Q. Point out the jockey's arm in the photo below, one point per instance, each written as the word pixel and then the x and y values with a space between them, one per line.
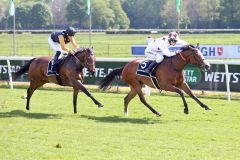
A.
pixel 62 44
pixel 74 44
pixel 182 42
pixel 166 51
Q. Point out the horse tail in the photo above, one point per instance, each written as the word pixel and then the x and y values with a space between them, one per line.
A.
pixel 107 81
pixel 22 70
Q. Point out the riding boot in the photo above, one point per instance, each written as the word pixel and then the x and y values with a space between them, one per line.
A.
pixel 150 67
pixel 55 59
pixel 54 63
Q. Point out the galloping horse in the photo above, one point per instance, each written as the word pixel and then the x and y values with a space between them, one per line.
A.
pixel 71 73
pixel 169 75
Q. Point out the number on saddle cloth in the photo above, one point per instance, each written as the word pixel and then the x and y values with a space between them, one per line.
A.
pixel 57 65
pixel 141 71
pixel 143 66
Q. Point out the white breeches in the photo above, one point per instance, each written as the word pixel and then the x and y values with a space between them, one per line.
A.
pixel 55 46
pixel 154 55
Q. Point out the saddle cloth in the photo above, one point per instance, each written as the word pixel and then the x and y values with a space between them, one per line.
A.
pixel 58 65
pixel 141 71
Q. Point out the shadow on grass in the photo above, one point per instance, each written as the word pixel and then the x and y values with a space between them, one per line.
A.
pixel 20 113
pixel 117 119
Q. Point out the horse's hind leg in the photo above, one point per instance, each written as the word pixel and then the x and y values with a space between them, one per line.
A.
pixel 127 99
pixel 33 86
pixel 75 94
pixel 143 100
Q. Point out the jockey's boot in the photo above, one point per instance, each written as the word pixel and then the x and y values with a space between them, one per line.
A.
pixel 55 59
pixel 150 67
pixel 54 62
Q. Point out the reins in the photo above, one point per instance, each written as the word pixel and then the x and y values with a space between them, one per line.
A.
pixel 85 59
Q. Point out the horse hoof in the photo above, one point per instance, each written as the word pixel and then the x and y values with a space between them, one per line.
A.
pixel 100 105
pixel 207 108
pixel 186 111
pixel 158 114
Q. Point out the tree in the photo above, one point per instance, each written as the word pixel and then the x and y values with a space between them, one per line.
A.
pixel 144 13
pixel 32 16
pixel 102 15
pixel 41 16
pixel 203 14
pixel 120 17
pixel 58 9
pixel 230 13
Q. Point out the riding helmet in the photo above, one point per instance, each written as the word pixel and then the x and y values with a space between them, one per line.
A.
pixel 173 36
pixel 70 31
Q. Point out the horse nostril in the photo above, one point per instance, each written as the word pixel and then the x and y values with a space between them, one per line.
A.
pixel 207 67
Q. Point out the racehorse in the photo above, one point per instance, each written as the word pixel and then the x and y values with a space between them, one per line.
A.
pixel 71 73
pixel 169 75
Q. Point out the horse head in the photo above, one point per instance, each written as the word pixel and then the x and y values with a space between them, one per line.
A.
pixel 192 54
pixel 86 58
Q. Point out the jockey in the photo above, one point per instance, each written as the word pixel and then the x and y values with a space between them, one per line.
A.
pixel 58 41
pixel 157 48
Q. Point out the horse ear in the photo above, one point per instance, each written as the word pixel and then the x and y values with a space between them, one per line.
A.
pixel 190 47
pixel 92 47
pixel 197 45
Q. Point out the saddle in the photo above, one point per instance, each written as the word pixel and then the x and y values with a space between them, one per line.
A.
pixel 141 71
pixel 58 65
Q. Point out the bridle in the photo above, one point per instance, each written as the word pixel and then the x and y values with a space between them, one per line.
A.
pixel 191 54
pixel 85 61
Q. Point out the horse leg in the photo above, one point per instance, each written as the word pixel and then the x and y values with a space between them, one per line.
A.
pixel 177 90
pixel 75 94
pixel 127 99
pixel 78 85
pixel 33 86
pixel 187 90
pixel 143 100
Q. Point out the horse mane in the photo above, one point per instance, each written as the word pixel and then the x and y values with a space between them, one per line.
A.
pixel 80 50
pixel 186 47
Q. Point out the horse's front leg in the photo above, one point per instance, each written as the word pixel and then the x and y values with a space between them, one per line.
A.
pixel 187 90
pixel 78 85
pixel 177 90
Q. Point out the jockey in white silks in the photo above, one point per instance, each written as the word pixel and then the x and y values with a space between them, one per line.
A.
pixel 157 48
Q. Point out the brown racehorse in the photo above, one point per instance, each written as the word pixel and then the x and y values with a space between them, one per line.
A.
pixel 71 73
pixel 169 75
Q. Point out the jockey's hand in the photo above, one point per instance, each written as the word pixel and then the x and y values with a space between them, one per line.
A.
pixel 71 52
pixel 179 51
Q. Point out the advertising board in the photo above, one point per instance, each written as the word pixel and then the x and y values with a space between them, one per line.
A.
pixel 214 80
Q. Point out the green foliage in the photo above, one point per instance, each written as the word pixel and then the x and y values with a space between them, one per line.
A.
pixel 230 13
pixel 32 15
pixel 105 14
pixel 50 130
pixel 121 20
pixel 41 16
pixel 76 14
pixel 143 13
pixel 124 14
pixel 102 15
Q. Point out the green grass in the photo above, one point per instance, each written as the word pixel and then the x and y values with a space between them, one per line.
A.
pixel 105 45
pixel 50 130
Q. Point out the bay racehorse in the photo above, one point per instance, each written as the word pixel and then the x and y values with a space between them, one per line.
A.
pixel 169 75
pixel 71 73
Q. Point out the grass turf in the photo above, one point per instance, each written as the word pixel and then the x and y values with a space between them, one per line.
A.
pixel 50 130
